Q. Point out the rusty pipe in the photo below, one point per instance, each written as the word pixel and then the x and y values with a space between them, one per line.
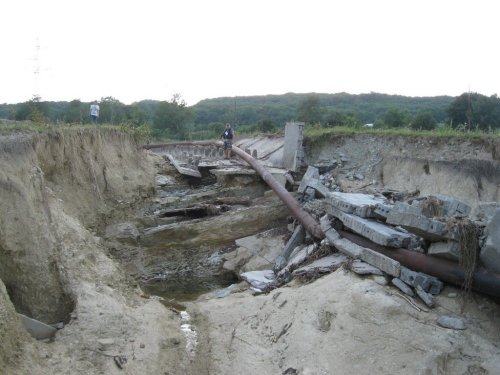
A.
pixel 302 216
pixel 483 281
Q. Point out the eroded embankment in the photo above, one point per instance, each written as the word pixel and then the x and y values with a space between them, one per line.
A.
pixel 53 188
pixel 465 169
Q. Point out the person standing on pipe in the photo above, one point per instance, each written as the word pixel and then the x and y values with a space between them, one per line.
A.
pixel 228 136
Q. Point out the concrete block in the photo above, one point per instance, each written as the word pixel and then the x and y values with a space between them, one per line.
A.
pixel 398 283
pixel 490 252
pixel 310 175
pixel 426 297
pixel 362 205
pixel 449 250
pixel 377 232
pixel 259 279
pixel 404 215
pixel 37 329
pixel 355 251
pixel 428 283
pixel 363 268
pixel 323 265
pixel 382 262
pixel 382 209
pixel 295 240
pixel 293 152
pixel 452 206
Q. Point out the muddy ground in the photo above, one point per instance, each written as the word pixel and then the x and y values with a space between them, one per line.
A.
pixel 81 242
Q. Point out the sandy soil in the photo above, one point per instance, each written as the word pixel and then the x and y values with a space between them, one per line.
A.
pixel 345 324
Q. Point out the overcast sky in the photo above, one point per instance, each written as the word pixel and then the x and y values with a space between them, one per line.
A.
pixel 151 49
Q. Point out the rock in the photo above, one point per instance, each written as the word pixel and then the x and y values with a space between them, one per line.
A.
pixel 162 180
pixel 259 279
pixel 321 266
pixel 380 280
pixel 105 344
pixel 490 252
pixel 123 232
pixel 398 283
pixel 37 329
pixel 428 283
pixel 448 250
pixel 452 295
pixel 296 239
pixel 426 297
pixel 451 322
pixel 362 268
pixel 311 174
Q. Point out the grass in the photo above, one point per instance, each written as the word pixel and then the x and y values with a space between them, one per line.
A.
pixel 318 134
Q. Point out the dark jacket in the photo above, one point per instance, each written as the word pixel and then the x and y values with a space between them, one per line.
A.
pixel 227 134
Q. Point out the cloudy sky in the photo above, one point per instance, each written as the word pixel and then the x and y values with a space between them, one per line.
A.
pixel 152 49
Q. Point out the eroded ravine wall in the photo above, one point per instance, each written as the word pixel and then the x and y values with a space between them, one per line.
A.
pixel 53 187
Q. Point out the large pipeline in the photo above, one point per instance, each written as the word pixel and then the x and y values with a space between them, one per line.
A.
pixel 310 225
pixel 483 281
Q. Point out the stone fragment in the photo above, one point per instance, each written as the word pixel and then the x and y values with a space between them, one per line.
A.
pixel 448 250
pixel 163 180
pixel 426 297
pixel 296 239
pixel 451 322
pixel 490 252
pixel 377 232
pixel 398 283
pixel 362 268
pixel 383 209
pixel 124 232
pixel 452 206
pixel 428 283
pixel 259 279
pixel 320 266
pixel 105 344
pixel 37 329
pixel 311 175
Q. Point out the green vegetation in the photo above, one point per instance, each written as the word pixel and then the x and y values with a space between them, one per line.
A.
pixel 174 120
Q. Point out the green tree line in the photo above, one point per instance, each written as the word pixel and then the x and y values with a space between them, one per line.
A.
pixel 173 119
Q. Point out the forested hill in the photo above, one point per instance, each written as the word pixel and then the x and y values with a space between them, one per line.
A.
pixel 281 108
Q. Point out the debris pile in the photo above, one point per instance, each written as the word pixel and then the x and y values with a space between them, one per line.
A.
pixel 437 226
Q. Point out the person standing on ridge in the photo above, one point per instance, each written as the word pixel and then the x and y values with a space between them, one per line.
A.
pixel 94 112
pixel 227 135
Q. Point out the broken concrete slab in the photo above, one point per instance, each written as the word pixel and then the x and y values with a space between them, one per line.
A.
pixel 404 215
pixel 448 250
pixel 296 239
pixel 37 329
pixel 362 205
pixel 383 209
pixel 490 252
pixel 428 283
pixel 293 151
pixel 182 169
pixel 259 279
pixel 377 232
pixel 362 268
pixel 451 206
pixel 312 174
pixel 353 250
pixel 233 171
pixel 427 298
pixel 398 283
pixel 320 266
